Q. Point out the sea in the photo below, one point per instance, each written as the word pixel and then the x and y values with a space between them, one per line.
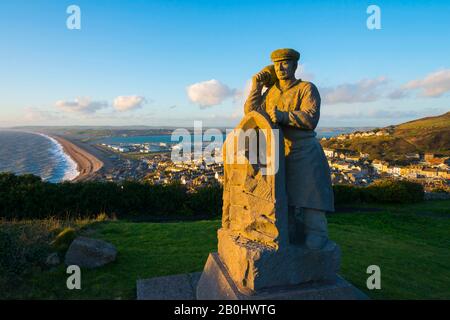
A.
pixel 35 153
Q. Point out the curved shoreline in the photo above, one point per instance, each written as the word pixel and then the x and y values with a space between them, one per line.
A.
pixel 87 164
pixel 71 171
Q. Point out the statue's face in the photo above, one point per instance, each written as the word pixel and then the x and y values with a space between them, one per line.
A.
pixel 285 69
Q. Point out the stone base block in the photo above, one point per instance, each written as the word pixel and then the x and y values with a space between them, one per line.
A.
pixel 216 284
pixel 254 266
pixel 174 287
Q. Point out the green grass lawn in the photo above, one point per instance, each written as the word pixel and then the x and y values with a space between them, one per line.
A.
pixel 410 243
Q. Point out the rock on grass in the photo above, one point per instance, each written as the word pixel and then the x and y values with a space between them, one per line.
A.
pixel 90 253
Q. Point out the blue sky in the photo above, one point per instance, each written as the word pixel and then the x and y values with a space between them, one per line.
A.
pixel 173 62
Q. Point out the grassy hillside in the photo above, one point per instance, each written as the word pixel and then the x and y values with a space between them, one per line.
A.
pixel 442 121
pixel 410 243
pixel 431 134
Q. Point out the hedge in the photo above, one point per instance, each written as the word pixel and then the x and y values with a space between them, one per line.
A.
pixel 380 191
pixel 28 196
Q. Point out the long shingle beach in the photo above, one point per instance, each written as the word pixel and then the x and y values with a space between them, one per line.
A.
pixel 87 164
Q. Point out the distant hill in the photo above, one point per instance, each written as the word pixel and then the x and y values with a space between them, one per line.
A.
pixel 437 122
pixel 430 134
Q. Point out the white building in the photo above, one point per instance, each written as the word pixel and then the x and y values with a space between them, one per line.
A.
pixel 329 152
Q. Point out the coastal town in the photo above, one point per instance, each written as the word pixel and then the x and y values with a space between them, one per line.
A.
pixel 432 171
pixel 358 168
pixel 151 162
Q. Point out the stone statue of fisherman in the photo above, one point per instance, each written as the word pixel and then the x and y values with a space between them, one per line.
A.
pixel 294 105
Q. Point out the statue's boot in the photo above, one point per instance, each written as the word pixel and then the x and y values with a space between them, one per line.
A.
pixel 316 232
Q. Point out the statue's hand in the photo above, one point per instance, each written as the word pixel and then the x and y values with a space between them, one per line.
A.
pixel 259 79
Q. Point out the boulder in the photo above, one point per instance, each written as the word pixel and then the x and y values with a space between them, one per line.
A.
pixel 90 253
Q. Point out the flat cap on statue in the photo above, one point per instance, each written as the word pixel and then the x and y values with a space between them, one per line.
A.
pixel 285 54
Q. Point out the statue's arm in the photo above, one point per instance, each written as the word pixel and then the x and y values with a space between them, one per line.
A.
pixel 308 116
pixel 254 100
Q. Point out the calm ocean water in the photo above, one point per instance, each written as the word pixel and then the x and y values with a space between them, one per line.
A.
pixel 23 152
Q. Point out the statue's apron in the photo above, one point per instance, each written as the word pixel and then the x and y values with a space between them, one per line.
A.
pixel 308 180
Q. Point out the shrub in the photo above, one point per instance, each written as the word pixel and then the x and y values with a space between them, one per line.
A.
pixel 443 189
pixel 380 191
pixel 207 201
pixel 393 191
pixel 23 248
pixel 25 197
pixel 345 194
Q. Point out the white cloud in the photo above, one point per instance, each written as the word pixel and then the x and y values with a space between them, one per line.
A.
pixel 433 85
pixel 81 105
pixel 209 93
pixel 127 103
pixel 365 90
